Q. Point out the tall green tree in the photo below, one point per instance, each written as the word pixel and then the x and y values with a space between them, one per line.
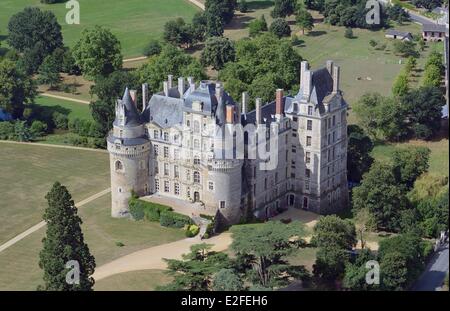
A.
pixel 17 89
pixel 64 243
pixel 280 28
pixel 334 231
pixel 227 280
pixel 49 72
pixel 283 8
pixel 97 52
pixel 304 20
pixel 359 148
pixel 217 52
pixel 401 85
pixel 382 196
pixel 432 76
pixel 265 248
pixel 409 164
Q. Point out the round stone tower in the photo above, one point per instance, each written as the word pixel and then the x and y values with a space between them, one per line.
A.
pixel 129 150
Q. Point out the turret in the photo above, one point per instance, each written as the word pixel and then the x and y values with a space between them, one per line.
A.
pixel 129 151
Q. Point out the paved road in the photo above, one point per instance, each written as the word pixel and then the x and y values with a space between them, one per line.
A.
pixel 435 273
pixel 420 19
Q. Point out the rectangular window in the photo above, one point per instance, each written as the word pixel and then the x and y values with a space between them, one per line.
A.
pixel 308 140
pixel 309 125
pixel 265 183
pixel 176 171
pixel 166 152
pixel 211 186
pixel 222 204
pixel 307 186
pixel 177 188
pixel 188 175
pixel 308 157
pixel 166 136
pixel 307 173
pixel 156 185
pixel 310 110
pixel 166 186
pixel 176 154
pixel 334 137
pixel 156 168
pixel 155 134
pixel 329 123
pixel 295 119
pixel 292 175
pixel 334 120
pixel 166 169
pixel 156 150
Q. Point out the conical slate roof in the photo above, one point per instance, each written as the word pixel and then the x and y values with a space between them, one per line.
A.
pixel 132 116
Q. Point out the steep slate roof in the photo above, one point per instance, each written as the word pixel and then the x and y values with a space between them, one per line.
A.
pixel 132 116
pixel 434 28
pixel 322 85
pixel 401 34
pixel 164 111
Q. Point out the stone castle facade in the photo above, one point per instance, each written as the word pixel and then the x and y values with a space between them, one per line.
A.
pixel 167 149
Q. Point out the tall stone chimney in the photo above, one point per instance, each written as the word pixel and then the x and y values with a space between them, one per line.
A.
pixel 170 81
pixel 191 83
pixel 166 88
pixel 336 77
pixel 229 113
pixel 244 102
pixel 144 96
pixel 181 86
pixel 133 95
pixel 305 79
pixel 219 91
pixel 258 111
pixel 279 107
pixel 330 67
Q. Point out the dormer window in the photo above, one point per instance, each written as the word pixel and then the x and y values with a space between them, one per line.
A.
pixel 310 110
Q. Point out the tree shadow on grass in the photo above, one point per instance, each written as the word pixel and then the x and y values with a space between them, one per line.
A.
pixel 239 21
pixel 45 113
pixel 316 33
pixel 259 5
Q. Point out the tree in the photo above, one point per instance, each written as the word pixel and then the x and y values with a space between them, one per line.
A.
pixel 217 52
pixel 22 132
pixel 218 13
pixel 243 6
pixel 304 20
pixel 199 24
pixel 227 280
pixel 427 4
pixel 381 195
pixel 359 148
pixel 409 164
pixel 393 272
pixel 398 14
pixel 152 48
pixel 33 28
pixel 411 64
pixel 330 263
pixel 108 90
pixel 405 48
pixel 64 243
pixel 49 72
pixel 257 26
pixel 401 85
pixel 97 52
pixel 432 76
pixel 283 8
pixel 334 231
pixel 280 28
pixel 179 33
pixel 349 33
pixel 424 107
pixel 170 61
pixel 17 89
pixel 355 272
pixel 197 269
pixel 265 247
pixel 436 59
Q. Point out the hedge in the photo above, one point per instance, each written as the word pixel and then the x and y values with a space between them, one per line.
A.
pixel 174 220
pixel 151 211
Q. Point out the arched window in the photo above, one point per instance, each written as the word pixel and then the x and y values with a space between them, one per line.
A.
pixel 119 166
pixel 196 177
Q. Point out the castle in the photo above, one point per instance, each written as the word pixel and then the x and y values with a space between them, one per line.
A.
pixel 168 149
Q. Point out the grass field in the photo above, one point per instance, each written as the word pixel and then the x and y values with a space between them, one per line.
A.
pixel 29 171
pixel 19 268
pixel 145 280
pixel 134 22
pixel 439 154
pixel 72 109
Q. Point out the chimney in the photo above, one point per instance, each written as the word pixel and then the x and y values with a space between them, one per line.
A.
pixel 219 91
pixel 191 84
pixel 330 67
pixel 304 66
pixel 229 114
pixel 170 81
pixel 244 102
pixel 144 96
pixel 279 103
pixel 336 77
pixel 307 83
pixel 258 111
pixel 181 86
pixel 133 96
pixel 166 88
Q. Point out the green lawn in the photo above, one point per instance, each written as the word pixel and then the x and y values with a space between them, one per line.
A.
pixel 72 109
pixel 145 280
pixel 29 171
pixel 134 22
pixel 19 264
pixel 304 257
pixel 438 159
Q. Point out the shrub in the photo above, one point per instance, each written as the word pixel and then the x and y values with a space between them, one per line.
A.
pixel 348 33
pixel 280 28
pixel 120 244
pixel 60 120
pixel 174 220
pixel 136 210
pixel 38 128
pixel 6 130
pixel 153 48
pixel 151 211
pixel 192 231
